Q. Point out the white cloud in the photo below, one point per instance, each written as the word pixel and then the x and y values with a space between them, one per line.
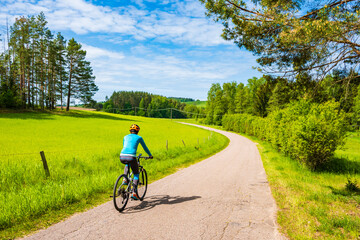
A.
pixel 185 23
pixel 185 66
pixel 163 74
pixel 93 53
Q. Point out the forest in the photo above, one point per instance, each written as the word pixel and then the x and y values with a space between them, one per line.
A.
pixel 305 119
pixel 261 96
pixel 150 105
pixel 39 68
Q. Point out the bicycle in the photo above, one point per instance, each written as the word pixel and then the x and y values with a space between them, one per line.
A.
pixel 123 191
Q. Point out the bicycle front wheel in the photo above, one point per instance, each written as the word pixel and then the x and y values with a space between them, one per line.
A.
pixel 142 184
pixel 121 192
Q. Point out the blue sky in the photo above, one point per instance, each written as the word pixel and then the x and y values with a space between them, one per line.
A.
pixel 166 47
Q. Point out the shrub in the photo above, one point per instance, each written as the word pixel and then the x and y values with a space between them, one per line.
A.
pixel 351 185
pixel 308 132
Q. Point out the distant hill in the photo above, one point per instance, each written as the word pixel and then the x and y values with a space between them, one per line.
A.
pixel 197 103
pixel 190 101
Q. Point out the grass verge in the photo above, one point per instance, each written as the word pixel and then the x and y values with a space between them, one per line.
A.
pixel 315 205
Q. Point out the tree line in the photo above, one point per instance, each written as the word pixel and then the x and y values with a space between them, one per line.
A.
pixel 183 99
pixel 261 96
pixel 39 69
pixel 304 119
pixel 149 105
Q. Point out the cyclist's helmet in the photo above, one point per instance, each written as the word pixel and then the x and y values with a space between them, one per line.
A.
pixel 134 128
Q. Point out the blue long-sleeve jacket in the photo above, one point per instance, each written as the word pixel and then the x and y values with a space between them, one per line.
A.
pixel 131 143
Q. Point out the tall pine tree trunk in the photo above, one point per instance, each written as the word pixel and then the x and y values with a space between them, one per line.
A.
pixel 69 88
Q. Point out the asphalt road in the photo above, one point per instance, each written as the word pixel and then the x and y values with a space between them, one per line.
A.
pixel 226 196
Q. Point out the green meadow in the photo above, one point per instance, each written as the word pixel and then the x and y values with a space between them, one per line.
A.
pixel 82 151
pixel 197 103
pixel 316 205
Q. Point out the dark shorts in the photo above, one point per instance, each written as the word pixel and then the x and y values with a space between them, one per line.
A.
pixel 130 161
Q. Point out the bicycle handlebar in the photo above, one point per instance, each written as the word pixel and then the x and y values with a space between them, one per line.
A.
pixel 140 156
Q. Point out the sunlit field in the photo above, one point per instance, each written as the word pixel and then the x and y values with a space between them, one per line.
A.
pixel 317 205
pixel 197 103
pixel 82 151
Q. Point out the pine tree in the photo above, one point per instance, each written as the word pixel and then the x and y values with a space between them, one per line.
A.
pixel 356 108
pixel 81 83
pixel 62 75
pixel 33 68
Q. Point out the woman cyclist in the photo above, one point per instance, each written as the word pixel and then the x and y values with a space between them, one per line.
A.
pixel 128 154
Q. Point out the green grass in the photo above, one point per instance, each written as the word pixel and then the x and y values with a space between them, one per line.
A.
pixel 82 150
pixel 197 103
pixel 351 149
pixel 315 205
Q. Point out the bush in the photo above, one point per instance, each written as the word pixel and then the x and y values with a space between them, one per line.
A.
pixel 308 132
pixel 351 185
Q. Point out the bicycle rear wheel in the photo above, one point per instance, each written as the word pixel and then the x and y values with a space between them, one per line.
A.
pixel 142 184
pixel 121 192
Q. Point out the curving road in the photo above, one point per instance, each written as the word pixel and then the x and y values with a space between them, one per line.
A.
pixel 226 196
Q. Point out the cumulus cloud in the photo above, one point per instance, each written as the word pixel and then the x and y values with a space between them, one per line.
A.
pixel 172 49
pixel 162 73
pixel 183 23
pixel 93 53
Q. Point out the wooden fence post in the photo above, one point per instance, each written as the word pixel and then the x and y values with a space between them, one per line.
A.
pixel 46 168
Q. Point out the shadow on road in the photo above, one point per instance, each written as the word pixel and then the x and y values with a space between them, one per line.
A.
pixel 153 201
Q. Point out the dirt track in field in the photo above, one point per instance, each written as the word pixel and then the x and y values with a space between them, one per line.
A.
pixel 226 196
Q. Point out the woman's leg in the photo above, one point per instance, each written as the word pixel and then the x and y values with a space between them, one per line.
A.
pixel 135 168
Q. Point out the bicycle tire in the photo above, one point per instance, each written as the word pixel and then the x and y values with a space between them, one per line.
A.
pixel 142 184
pixel 121 193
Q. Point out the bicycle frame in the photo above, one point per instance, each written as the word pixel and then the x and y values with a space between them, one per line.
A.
pixel 124 193
pixel 130 173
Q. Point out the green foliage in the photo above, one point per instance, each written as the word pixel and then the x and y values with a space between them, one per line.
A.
pixel 280 96
pixel 198 103
pixel 252 98
pixel 83 157
pixel 351 185
pixel 81 83
pixel 8 95
pixel 261 96
pixel 314 204
pixel 186 100
pixel 149 105
pixel 308 132
pixel 342 87
pixel 292 36
pixel 356 108
pixel 38 69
